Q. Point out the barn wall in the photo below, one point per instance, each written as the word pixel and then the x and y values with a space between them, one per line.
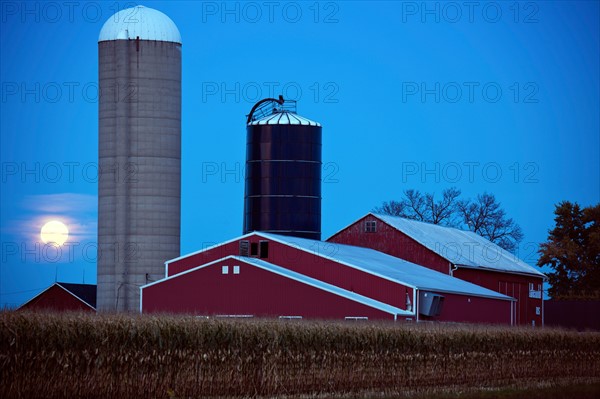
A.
pixel 513 285
pixel 56 299
pixel 471 309
pixel 348 278
pixel 392 242
pixel 254 291
pixel 210 255
pixel 312 265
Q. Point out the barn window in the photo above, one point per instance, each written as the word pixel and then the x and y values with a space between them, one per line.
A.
pixel 225 269
pixel 264 249
pixel 254 249
pixel 236 269
pixel 371 226
pixel 244 251
pixel 535 293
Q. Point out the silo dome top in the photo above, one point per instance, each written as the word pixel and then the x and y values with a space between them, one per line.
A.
pixel 139 21
pixel 284 118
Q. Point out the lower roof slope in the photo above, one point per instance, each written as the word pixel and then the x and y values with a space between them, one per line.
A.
pixel 386 266
pixel 85 292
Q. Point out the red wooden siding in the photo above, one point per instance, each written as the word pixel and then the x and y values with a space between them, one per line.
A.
pixel 329 271
pixel 56 299
pixel 311 265
pixel 210 255
pixel 513 285
pixel 389 240
pixel 254 291
pixel 469 309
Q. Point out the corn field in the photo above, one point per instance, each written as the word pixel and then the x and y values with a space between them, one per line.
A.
pixel 74 355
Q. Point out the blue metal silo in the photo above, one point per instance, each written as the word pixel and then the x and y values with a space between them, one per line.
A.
pixel 283 171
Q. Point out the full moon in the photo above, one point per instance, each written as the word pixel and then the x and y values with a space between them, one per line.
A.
pixel 54 232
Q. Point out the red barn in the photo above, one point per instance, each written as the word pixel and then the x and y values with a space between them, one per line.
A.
pixel 269 275
pixel 64 297
pixel 461 254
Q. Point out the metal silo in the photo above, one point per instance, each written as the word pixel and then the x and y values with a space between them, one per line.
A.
pixel 139 189
pixel 283 171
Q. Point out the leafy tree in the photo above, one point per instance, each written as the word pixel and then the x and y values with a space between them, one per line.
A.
pixel 483 216
pixel 573 252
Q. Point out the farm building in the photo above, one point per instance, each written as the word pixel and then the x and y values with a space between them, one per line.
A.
pixel 377 268
pixel 269 275
pixel 460 254
pixel 64 297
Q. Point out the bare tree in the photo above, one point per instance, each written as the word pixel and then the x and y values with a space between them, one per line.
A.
pixel 444 211
pixel 483 215
pixel 393 208
pixel 416 205
pixel 424 207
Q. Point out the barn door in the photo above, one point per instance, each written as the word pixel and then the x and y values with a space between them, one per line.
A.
pixel 513 290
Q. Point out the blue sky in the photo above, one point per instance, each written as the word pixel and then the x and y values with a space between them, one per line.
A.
pixel 502 97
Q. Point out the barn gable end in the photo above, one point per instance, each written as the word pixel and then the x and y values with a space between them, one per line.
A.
pixel 64 297
pixel 461 254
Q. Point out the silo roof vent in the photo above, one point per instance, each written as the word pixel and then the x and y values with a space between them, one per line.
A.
pixel 140 22
pixel 272 111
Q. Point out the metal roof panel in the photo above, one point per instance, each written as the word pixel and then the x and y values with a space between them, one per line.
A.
pixel 324 286
pixel 284 118
pixel 460 247
pixel 386 266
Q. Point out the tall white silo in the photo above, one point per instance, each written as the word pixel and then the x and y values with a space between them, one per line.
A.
pixel 139 189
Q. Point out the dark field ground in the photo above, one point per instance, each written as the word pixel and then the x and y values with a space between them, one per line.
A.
pixel 49 355
pixel 584 389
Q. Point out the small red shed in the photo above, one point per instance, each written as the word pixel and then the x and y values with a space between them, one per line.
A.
pixel 268 275
pixel 458 253
pixel 64 297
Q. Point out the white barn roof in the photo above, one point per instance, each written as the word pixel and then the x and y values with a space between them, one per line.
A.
pixel 386 266
pixel 462 248
pixel 139 21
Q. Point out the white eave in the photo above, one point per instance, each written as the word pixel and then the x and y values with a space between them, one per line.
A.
pixel 140 22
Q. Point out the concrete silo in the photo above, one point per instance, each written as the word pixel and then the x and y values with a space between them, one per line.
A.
pixel 283 171
pixel 139 189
